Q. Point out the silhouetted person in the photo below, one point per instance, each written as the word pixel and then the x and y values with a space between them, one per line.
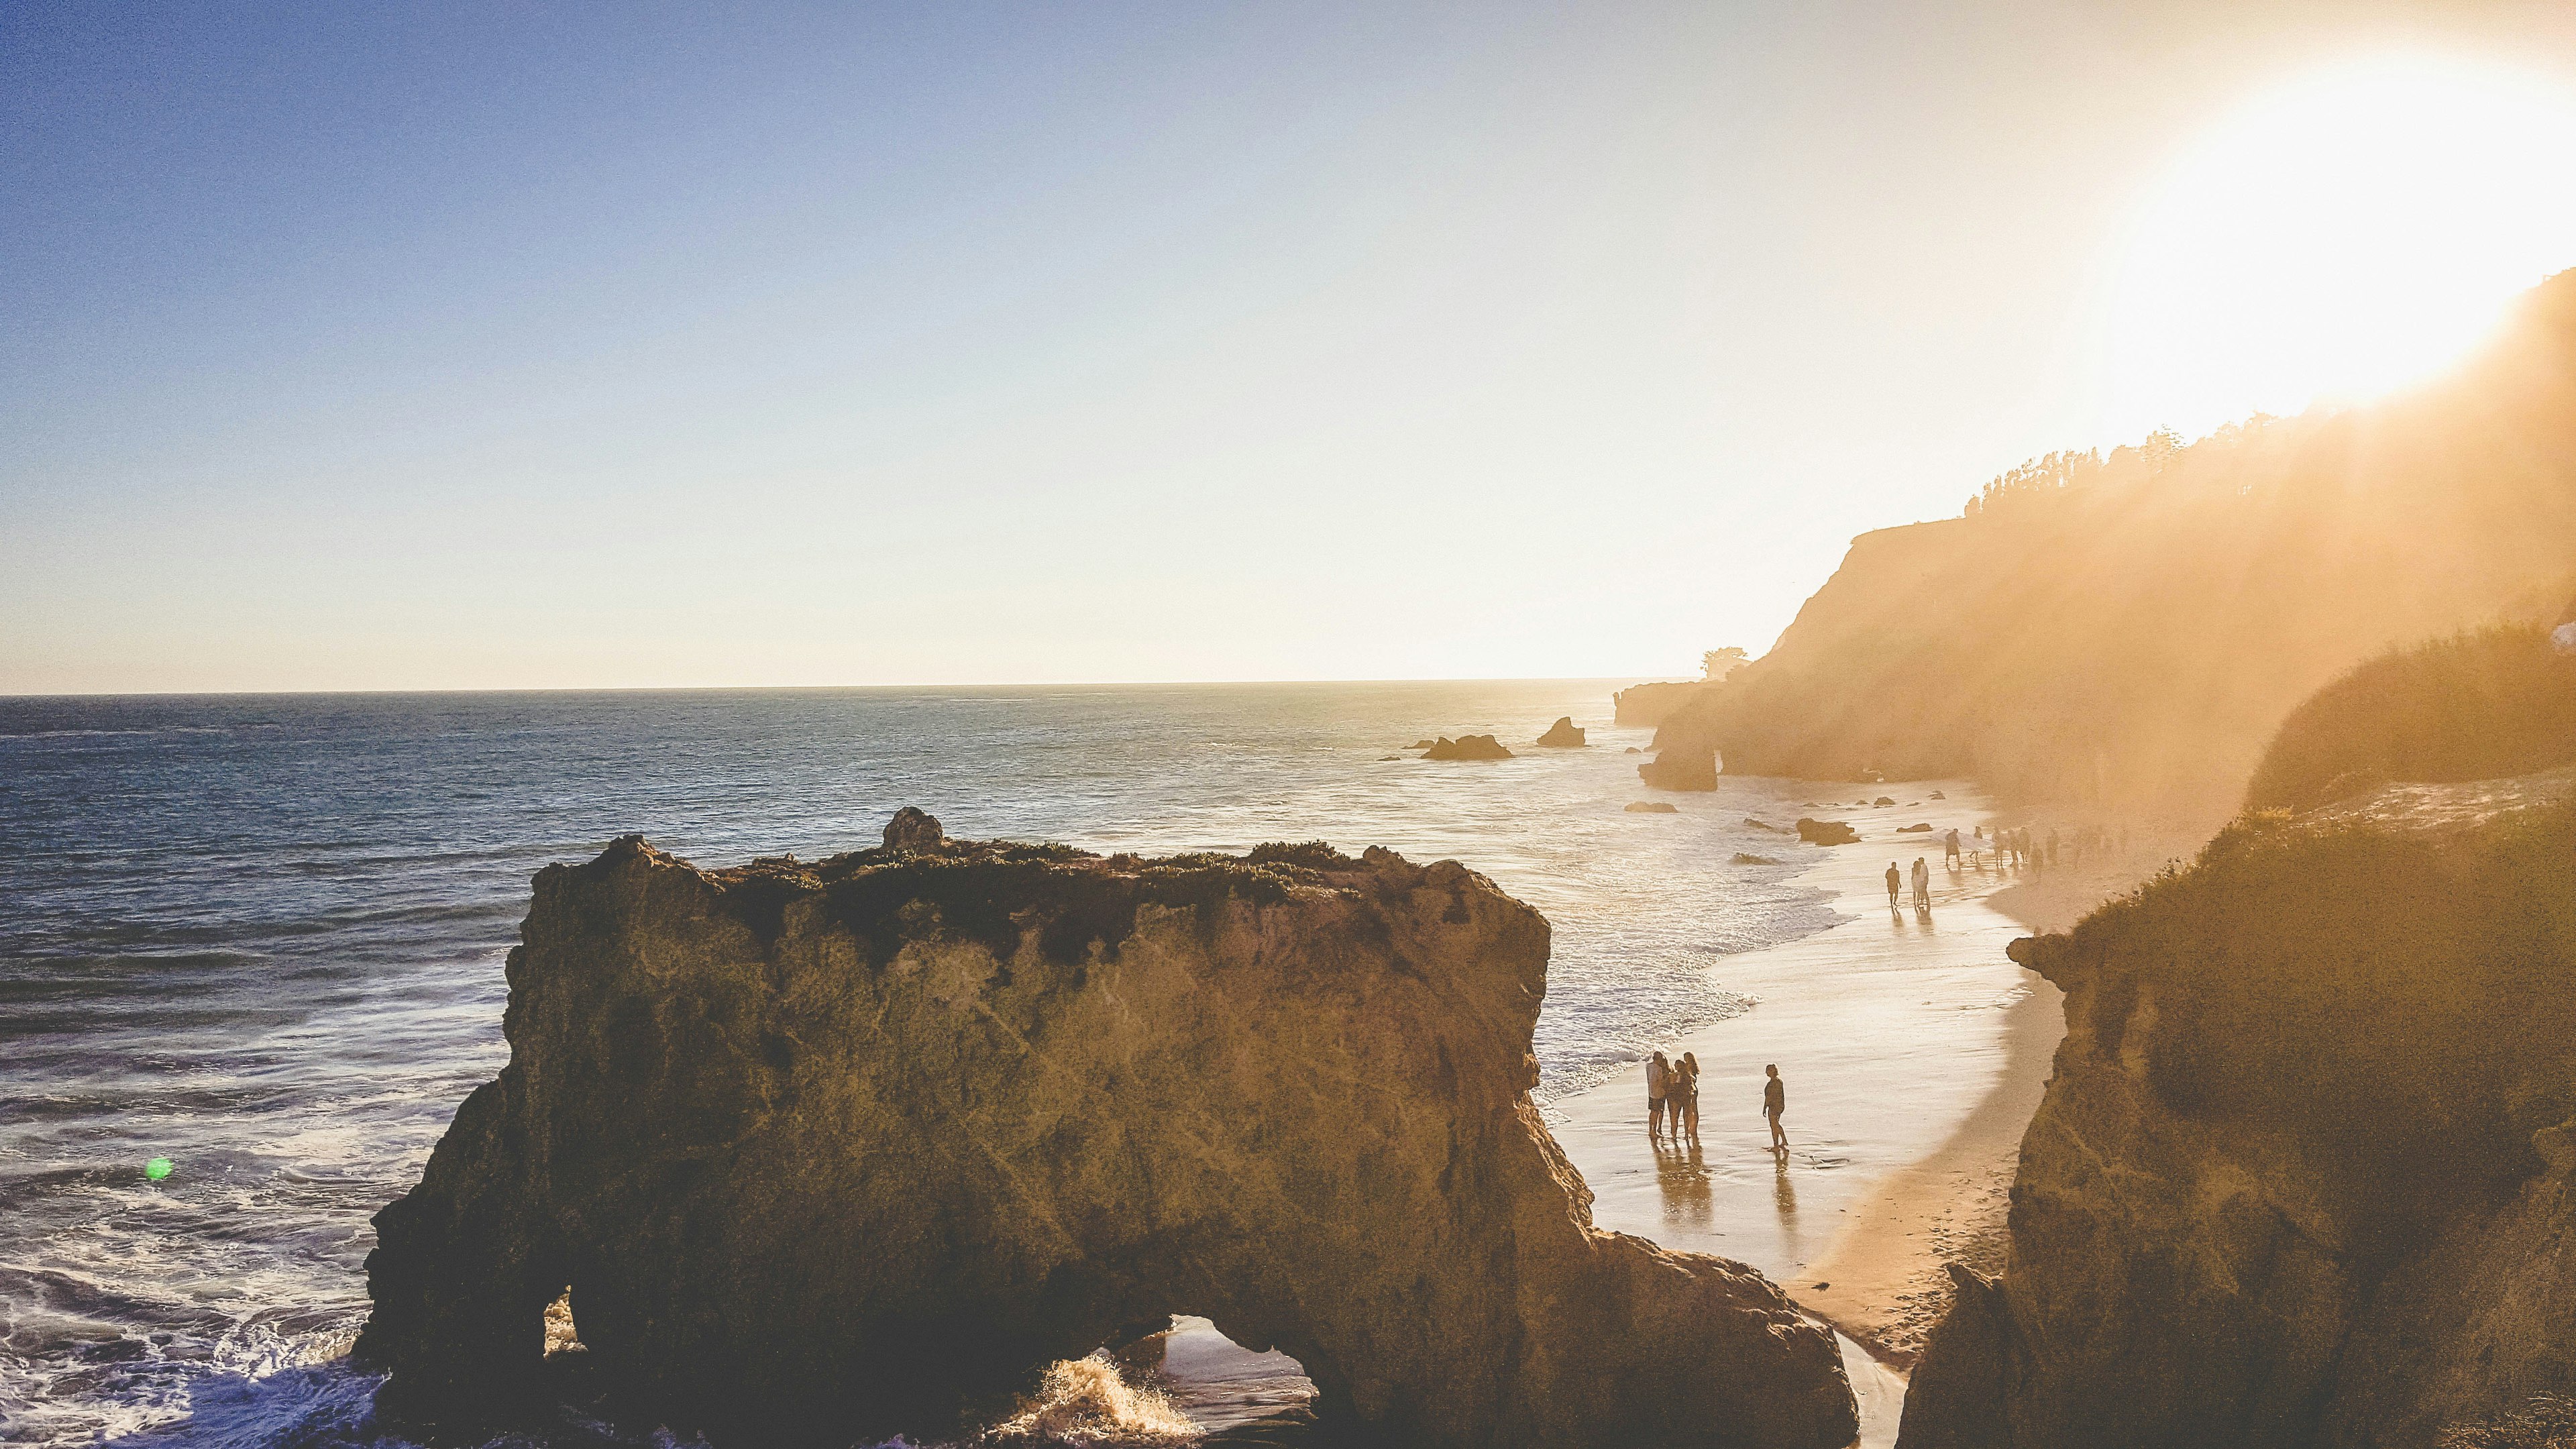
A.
pixel 1893 883
pixel 1922 885
pixel 1775 1100
pixel 1659 1083
pixel 1950 856
pixel 1681 1097
pixel 2052 845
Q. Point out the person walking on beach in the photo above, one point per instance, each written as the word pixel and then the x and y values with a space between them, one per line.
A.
pixel 2052 845
pixel 1950 856
pixel 1775 1100
pixel 1922 885
pixel 1681 1098
pixel 1659 1081
pixel 1892 883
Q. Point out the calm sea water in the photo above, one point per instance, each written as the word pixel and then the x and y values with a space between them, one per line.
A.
pixel 262 937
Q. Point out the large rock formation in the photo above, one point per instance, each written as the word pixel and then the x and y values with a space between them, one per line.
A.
pixel 1562 735
pixel 826 1151
pixel 2301 1176
pixel 1682 766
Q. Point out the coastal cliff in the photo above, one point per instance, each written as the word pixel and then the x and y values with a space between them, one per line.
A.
pixel 2301 1177
pixel 860 1146
pixel 2130 631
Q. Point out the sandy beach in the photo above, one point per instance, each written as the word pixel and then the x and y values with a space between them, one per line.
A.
pixel 1914 1051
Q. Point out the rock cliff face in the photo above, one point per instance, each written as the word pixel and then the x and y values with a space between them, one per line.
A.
pixel 2301 1176
pixel 2136 638
pixel 833 1150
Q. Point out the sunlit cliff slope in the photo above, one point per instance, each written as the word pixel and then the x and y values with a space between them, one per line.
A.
pixel 2301 1176
pixel 2130 631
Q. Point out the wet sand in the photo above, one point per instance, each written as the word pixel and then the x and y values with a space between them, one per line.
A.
pixel 1913 1050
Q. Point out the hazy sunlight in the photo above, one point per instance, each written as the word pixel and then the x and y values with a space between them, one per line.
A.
pixel 2354 230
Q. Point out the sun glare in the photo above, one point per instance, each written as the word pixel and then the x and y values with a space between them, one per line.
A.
pixel 2354 230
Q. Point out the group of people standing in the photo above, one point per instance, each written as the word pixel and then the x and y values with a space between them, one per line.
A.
pixel 1672 1100
pixel 1672 1096
pixel 2019 847
pixel 1922 883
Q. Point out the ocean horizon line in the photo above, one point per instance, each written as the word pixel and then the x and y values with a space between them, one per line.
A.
pixel 11 697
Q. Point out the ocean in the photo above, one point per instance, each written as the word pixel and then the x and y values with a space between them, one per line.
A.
pixel 261 937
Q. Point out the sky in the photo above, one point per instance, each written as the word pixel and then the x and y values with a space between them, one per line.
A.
pixel 513 346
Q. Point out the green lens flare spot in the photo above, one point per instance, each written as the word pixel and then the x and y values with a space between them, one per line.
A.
pixel 157 1169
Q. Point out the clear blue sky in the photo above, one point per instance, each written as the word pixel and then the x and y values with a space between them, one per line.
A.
pixel 464 346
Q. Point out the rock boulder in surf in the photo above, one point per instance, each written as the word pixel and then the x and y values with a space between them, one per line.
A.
pixel 1565 734
pixel 833 1150
pixel 1467 747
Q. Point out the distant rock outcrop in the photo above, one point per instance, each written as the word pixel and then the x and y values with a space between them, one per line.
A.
pixel 2302 1174
pixel 1467 747
pixel 1826 832
pixel 1681 769
pixel 1564 734
pixel 827 1152
pixel 1883 800
pixel 1653 807
pixel 1644 706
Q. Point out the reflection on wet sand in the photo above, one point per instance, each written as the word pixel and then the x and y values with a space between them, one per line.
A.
pixel 1682 1174
pixel 1784 1194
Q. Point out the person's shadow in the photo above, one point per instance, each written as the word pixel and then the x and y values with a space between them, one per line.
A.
pixel 1783 1192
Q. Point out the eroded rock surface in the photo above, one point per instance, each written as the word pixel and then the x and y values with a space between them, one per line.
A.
pixel 826 1151
pixel 2301 1176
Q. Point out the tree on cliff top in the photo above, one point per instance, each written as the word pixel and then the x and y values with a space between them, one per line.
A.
pixel 1716 664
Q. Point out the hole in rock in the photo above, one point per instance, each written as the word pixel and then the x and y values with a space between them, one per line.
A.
pixel 561 1336
pixel 1217 1382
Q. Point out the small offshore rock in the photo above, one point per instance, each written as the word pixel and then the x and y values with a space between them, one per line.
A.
pixel 1882 800
pixel 1652 807
pixel 1632 749
pixel 1937 795
pixel 1912 829
pixel 1743 858
pixel 1565 734
pixel 1826 832
pixel 1467 747
pixel 1762 825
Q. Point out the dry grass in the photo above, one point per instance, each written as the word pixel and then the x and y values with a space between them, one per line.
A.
pixel 2487 705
